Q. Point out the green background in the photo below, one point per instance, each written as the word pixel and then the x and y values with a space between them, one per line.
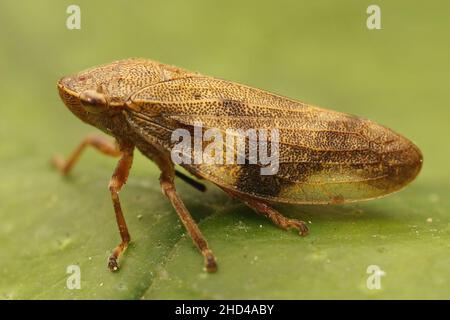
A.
pixel 316 51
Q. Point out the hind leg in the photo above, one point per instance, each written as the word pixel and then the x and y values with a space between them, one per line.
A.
pixel 276 217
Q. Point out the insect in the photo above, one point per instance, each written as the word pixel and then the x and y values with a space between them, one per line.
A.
pixel 325 157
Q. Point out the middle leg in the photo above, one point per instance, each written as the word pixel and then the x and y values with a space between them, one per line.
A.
pixel 167 176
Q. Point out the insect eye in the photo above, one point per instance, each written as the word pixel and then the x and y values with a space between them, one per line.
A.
pixel 93 101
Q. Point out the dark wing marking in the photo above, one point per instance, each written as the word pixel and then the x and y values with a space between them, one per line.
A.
pixel 323 154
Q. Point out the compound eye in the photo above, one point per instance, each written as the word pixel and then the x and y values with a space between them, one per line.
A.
pixel 93 101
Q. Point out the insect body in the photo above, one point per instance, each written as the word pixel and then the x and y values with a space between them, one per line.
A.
pixel 324 156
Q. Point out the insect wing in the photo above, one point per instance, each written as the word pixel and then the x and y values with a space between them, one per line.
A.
pixel 324 156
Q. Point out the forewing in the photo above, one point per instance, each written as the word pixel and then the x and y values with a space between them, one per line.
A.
pixel 324 156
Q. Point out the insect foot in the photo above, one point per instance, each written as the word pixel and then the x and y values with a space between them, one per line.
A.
pixel 112 264
pixel 299 225
pixel 210 261
pixel 58 162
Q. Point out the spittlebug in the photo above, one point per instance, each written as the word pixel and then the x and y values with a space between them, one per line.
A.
pixel 325 157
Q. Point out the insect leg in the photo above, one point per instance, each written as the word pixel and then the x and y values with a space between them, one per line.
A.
pixel 168 188
pixel 98 142
pixel 118 179
pixel 197 185
pixel 276 217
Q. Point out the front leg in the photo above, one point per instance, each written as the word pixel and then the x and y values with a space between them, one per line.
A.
pixel 118 179
pixel 97 142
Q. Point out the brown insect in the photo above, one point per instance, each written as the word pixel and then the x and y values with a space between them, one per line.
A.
pixel 325 157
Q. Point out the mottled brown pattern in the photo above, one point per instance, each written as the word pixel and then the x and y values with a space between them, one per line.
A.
pixel 324 155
